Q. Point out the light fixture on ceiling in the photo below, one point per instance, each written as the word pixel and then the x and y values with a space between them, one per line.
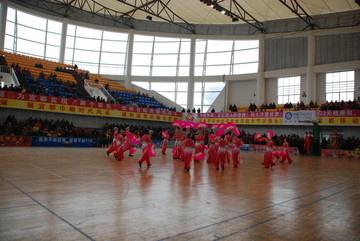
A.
pixel 148 17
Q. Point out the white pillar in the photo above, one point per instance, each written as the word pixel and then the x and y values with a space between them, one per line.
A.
pixel 63 41
pixel 191 82
pixel 130 51
pixel 260 82
pixel 3 13
pixel 310 74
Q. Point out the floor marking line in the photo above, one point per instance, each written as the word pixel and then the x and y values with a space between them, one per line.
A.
pixel 47 171
pixel 50 211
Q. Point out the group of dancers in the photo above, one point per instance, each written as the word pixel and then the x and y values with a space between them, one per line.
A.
pixel 223 145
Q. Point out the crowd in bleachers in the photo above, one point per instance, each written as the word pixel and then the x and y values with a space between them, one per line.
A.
pixel 328 105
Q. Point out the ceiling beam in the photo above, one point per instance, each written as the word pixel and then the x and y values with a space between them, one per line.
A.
pixel 160 10
pixel 236 13
pixel 296 8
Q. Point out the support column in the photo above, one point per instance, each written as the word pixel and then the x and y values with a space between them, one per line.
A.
pixel 130 51
pixel 310 74
pixel 191 82
pixel 260 82
pixel 63 41
pixel 3 14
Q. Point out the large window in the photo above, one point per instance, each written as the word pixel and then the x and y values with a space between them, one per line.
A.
pixel 159 56
pixel 226 57
pixel 205 94
pixel 174 91
pixel 98 51
pixel 289 90
pixel 340 86
pixel 31 35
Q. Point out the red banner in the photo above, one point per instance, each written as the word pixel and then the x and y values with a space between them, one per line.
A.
pixel 82 103
pixel 15 141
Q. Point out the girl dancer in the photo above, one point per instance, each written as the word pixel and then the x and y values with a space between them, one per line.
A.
pixel 199 144
pixel 285 153
pixel 113 146
pixel 188 152
pixel 236 152
pixel 221 154
pixel 165 136
pixel 146 149
pixel 268 156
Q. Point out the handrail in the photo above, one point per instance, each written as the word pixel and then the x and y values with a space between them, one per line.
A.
pixel 101 88
pixel 10 70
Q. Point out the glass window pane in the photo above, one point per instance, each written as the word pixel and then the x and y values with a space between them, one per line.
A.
pixel 169 95
pixel 30 48
pixel 69 54
pixel 142 48
pixel 200 46
pixel 11 14
pixel 9 43
pixel 246 56
pixel 198 71
pixel 197 98
pixel 10 28
pixel 114 46
pixel 144 85
pixel 164 71
pixel 163 86
pixel 184 60
pixel 199 59
pixel 141 71
pixel 185 46
pixel 214 86
pixel 218 70
pixel 182 86
pixel 88 32
pixel 31 33
pixel 198 86
pixel 52 52
pixel 31 20
pixel 87 44
pixel 53 39
pixel 86 56
pixel 181 98
pixel 210 97
pixel 219 45
pixel 246 44
pixel 115 36
pixel 218 58
pixel 112 69
pixel 54 26
pixel 166 47
pixel 141 59
pixel 112 58
pixel 165 60
pixel 183 71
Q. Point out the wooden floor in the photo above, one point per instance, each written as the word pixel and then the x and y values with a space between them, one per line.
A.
pixel 81 194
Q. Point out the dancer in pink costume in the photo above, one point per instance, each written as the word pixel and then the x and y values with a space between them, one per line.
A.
pixel 113 145
pixel 236 152
pixel 199 142
pixel 165 136
pixel 221 153
pixel 285 152
pixel 212 148
pixel 268 156
pixel 146 148
pixel 119 153
pixel 129 137
pixel 188 152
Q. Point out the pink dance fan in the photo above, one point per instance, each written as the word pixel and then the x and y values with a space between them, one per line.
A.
pixel 176 123
pixel 201 125
pixel 165 135
pixel 199 156
pixel 270 134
